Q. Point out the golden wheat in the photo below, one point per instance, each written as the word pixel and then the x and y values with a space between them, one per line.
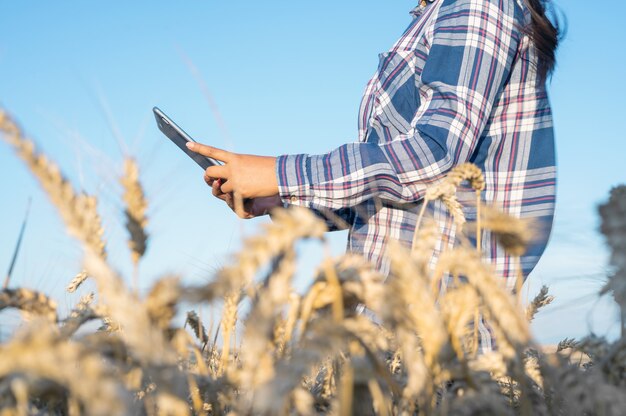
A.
pixel 541 300
pixel 78 280
pixel 135 212
pixel 353 343
pixel 193 320
pixel 77 210
pixel 29 301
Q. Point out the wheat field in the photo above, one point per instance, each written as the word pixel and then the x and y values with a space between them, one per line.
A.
pixel 300 354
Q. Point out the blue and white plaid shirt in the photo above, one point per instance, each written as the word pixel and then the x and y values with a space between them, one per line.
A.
pixel 460 85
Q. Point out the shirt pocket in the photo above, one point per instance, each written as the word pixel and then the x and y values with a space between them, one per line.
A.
pixel 396 98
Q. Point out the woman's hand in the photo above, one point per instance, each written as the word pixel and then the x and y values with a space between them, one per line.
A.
pixel 246 183
pixel 244 176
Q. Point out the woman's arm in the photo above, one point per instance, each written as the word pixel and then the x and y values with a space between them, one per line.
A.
pixel 248 185
pixel 472 48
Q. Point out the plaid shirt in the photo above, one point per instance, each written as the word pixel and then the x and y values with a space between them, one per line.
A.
pixel 460 85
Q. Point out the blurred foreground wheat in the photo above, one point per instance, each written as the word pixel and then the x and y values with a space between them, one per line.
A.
pixel 302 354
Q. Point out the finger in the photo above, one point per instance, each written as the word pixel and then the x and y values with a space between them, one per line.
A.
pixel 209 151
pixel 227 187
pixel 228 198
pixel 239 207
pixel 216 172
pixel 209 181
pixel 215 188
pixel 217 192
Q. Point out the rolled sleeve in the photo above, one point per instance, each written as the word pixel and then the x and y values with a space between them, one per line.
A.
pixel 295 187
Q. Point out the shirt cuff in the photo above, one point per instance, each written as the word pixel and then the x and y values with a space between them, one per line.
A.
pixel 294 181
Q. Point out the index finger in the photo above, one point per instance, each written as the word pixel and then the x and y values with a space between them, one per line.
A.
pixel 209 151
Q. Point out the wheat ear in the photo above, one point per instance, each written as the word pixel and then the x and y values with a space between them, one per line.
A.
pixel 613 226
pixel 39 351
pixel 135 212
pixel 542 299
pixel 498 301
pixel 193 320
pixel 78 280
pixel 228 322
pixel 77 210
pixel 256 354
pixel 445 190
pixel 29 301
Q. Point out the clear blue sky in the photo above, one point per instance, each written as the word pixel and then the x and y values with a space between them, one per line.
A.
pixel 287 77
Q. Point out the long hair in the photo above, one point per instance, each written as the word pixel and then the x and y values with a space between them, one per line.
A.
pixel 545 34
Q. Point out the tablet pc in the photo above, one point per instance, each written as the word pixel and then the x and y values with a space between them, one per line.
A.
pixel 180 138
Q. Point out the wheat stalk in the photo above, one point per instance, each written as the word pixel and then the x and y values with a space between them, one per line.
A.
pixel 81 314
pixel 193 320
pixel 565 344
pixel 445 191
pixel 228 322
pixel 82 220
pixel 290 323
pixel 257 355
pixel 39 351
pixel 508 324
pixel 135 212
pixel 613 227
pixel 29 301
pixel 497 300
pixel 512 233
pixel 415 312
pixel 458 308
pixel 78 280
pixel 162 301
pixel 134 318
pixel 136 207
pixel 335 362
pixel 77 210
pixel 542 299
pixel 287 227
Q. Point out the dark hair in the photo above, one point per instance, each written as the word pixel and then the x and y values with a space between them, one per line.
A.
pixel 545 34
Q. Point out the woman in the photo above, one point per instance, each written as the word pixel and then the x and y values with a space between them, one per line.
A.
pixel 464 83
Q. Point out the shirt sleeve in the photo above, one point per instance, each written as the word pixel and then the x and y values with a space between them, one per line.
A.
pixel 470 51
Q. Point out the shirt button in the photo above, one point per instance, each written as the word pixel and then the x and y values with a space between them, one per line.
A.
pixel 293 198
